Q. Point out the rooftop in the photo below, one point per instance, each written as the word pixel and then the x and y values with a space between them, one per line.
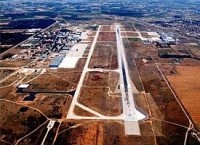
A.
pixel 23 86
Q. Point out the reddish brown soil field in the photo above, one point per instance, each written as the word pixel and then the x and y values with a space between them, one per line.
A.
pixel 106 36
pixel 17 121
pixel 5 72
pixel 129 34
pixel 88 133
pixel 103 133
pixel 104 56
pixel 52 105
pixel 13 63
pixel 102 79
pixel 105 28
pixel 129 27
pixel 79 111
pixel 96 94
pixel 36 137
pixel 70 76
pixel 50 82
pixel 9 93
pixel 92 33
pixel 11 80
pixel 193 49
pixel 160 100
pixel 113 27
pixel 161 96
pixel 108 28
pixel 187 86
pixel 99 100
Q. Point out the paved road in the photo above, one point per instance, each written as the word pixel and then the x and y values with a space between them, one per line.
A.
pixel 131 115
pixel 9 68
pixel 85 70
pixel 49 127
pixel 102 70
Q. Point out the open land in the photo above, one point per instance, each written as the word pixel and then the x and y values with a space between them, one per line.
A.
pixel 50 82
pixel 129 34
pixel 24 120
pixel 5 72
pixel 13 63
pixel 160 100
pixel 97 93
pixel 187 86
pixel 52 105
pixel 108 28
pixel 137 82
pixel 106 36
pixel 162 92
pixel 103 132
pixel 105 56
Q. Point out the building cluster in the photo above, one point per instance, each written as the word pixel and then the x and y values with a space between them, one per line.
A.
pixel 189 27
pixel 161 39
pixel 46 44
pixel 167 39
pixel 57 60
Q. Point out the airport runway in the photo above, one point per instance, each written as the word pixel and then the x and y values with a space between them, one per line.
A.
pixel 129 110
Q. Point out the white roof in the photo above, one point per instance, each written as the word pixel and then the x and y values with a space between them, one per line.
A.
pixel 23 86
pixel 155 39
pixel 170 39
pixel 144 39
pixel 73 56
pixel 26 45
pixel 69 62
pixel 153 34
pixel 84 35
pixel 34 30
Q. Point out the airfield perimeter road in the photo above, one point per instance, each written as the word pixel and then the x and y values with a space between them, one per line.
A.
pixel 49 127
